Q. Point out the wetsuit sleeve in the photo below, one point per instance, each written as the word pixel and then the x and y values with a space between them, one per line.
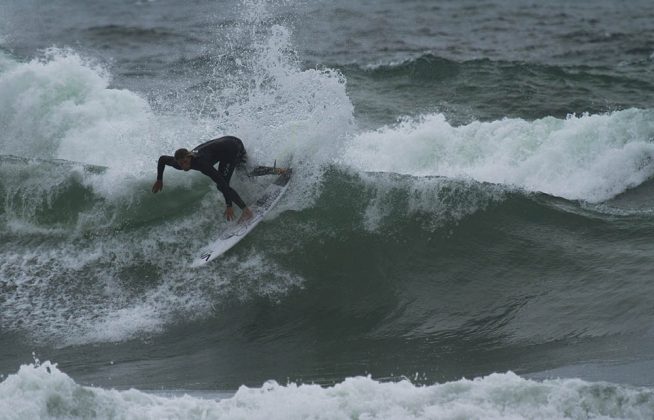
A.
pixel 228 192
pixel 161 164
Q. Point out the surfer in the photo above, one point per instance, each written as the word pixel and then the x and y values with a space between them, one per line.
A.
pixel 227 150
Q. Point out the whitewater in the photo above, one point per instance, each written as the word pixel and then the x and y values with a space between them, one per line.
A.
pixel 42 391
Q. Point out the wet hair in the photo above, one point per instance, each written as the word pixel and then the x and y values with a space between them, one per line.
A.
pixel 181 154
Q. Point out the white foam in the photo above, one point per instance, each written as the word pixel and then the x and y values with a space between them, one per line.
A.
pixel 43 391
pixel 587 157
pixel 297 117
pixel 61 106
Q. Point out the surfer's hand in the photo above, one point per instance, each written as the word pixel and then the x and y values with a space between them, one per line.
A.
pixel 157 186
pixel 229 213
pixel 246 215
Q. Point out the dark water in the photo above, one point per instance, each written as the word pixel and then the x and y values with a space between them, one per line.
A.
pixel 472 195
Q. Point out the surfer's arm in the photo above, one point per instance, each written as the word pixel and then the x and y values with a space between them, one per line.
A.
pixel 228 192
pixel 161 164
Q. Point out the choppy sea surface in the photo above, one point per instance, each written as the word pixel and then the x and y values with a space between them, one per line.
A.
pixel 469 231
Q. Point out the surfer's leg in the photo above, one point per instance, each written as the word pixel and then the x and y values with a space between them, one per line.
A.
pixel 227 170
pixel 241 155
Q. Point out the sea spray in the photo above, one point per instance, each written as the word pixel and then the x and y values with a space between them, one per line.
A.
pixel 97 241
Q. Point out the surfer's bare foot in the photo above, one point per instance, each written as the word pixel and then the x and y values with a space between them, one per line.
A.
pixel 281 171
pixel 246 215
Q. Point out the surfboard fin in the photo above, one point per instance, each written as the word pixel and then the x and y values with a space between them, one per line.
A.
pixel 264 170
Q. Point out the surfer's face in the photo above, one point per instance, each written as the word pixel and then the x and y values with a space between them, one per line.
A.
pixel 185 163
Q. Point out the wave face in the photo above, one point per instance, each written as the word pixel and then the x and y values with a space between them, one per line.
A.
pixel 449 216
pixel 421 182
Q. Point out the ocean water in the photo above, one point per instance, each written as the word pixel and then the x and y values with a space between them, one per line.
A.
pixel 468 232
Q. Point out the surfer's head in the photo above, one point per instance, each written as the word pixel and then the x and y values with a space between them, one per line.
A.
pixel 183 158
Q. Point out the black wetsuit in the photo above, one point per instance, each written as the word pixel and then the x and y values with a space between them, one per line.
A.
pixel 228 150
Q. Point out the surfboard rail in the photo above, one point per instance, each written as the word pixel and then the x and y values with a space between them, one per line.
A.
pixel 233 233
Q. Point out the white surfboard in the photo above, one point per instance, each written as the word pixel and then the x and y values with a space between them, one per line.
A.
pixel 232 235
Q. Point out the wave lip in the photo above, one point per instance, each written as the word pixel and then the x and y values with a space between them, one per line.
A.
pixel 43 391
pixel 588 157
